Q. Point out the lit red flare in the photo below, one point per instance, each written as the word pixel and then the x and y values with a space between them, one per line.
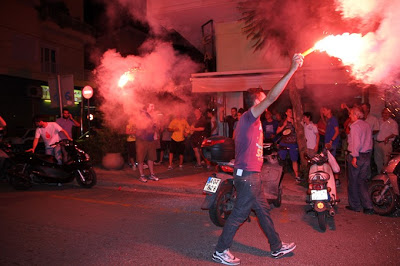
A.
pixel 127 76
pixel 309 51
pixel 347 47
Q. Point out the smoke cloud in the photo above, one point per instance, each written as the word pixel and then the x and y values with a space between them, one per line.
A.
pixel 381 62
pixel 158 74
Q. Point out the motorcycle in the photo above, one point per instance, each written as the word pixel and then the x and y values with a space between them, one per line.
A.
pixel 321 193
pixel 32 168
pixel 384 188
pixel 219 188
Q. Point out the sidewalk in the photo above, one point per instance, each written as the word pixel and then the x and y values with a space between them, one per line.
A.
pixel 190 180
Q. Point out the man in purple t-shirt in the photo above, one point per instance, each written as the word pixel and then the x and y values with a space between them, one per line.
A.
pixel 248 163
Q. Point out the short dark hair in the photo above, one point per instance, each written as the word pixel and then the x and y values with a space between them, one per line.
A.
pixel 251 96
pixel 66 109
pixel 308 114
pixel 37 118
pixel 234 108
pixel 367 105
pixel 241 110
pixel 211 111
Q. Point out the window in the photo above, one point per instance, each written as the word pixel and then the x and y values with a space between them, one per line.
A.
pixel 48 60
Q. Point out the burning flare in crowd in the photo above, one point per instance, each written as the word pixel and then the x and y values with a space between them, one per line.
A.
pixel 354 50
pixel 126 77
pixel 347 47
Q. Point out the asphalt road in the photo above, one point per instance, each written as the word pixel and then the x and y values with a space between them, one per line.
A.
pixel 68 225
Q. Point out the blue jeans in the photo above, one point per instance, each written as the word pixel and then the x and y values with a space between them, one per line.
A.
pixel 250 195
pixel 358 187
pixel 56 152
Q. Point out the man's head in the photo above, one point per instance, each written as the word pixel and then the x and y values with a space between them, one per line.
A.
pixel 254 96
pixel 289 113
pixel 197 113
pixel 268 114
pixel 278 116
pixel 234 111
pixel 326 111
pixel 307 117
pixel 150 107
pixel 39 121
pixel 366 108
pixel 386 114
pixel 66 113
pixel 355 114
pixel 240 112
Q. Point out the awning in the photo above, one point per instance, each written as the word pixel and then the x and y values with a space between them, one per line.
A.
pixel 233 81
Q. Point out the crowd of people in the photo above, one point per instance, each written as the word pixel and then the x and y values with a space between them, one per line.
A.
pixel 179 138
pixel 363 138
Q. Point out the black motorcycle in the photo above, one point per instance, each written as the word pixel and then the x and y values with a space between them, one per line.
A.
pixel 32 168
pixel 219 188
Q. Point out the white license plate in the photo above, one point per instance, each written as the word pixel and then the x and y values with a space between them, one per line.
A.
pixel 212 184
pixel 319 194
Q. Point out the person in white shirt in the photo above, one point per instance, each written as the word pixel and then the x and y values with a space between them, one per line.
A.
pixel 49 131
pixel 388 130
pixel 311 134
pixel 372 120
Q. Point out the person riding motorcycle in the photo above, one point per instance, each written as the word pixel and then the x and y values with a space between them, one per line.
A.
pixel 49 131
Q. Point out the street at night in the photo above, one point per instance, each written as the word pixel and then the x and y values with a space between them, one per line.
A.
pixel 134 225
pixel 131 130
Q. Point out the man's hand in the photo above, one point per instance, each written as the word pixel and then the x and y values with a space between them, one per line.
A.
pixel 30 150
pixel 354 162
pixel 328 146
pixel 297 61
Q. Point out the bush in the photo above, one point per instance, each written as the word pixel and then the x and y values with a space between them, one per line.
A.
pixel 103 141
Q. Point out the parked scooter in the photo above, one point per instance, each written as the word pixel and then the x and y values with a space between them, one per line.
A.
pixel 321 193
pixel 384 188
pixel 219 189
pixel 33 168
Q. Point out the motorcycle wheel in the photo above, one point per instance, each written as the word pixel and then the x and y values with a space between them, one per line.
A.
pixel 322 220
pixel 387 205
pixel 223 204
pixel 90 178
pixel 19 179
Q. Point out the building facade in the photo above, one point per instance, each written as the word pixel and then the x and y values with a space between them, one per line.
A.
pixel 40 40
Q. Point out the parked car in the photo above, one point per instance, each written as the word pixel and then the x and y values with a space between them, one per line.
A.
pixel 25 142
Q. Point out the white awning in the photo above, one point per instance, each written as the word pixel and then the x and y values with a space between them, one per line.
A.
pixel 265 78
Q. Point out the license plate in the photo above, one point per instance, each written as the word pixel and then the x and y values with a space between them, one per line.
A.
pixel 319 194
pixel 212 184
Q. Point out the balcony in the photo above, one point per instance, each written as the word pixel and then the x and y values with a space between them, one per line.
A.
pixel 60 15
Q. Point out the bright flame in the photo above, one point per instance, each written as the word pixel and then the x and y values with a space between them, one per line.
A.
pixel 348 47
pixel 354 50
pixel 127 76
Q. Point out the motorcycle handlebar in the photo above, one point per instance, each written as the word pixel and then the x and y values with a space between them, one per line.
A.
pixel 65 142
